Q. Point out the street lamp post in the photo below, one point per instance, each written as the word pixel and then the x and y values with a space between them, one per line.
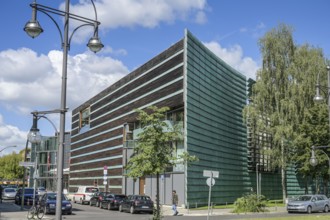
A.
pixel 318 97
pixel 6 148
pixel 33 29
pixel 313 160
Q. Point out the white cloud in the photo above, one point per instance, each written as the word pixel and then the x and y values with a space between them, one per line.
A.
pixel 134 13
pixel 10 136
pixel 30 81
pixel 234 57
pixel 87 75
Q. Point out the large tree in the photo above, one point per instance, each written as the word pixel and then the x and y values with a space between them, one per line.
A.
pixel 283 94
pixel 10 169
pixel 153 151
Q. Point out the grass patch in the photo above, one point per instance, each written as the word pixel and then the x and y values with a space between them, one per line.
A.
pixel 269 203
pixel 311 217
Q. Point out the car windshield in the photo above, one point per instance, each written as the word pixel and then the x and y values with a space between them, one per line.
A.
pixel 303 198
pixel 120 197
pixel 53 197
pixel 28 191
pixel 91 189
pixel 10 190
pixel 144 198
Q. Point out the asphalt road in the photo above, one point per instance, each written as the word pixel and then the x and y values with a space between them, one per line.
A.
pixel 10 211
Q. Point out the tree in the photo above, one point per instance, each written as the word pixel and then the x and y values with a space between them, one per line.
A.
pixel 10 169
pixel 283 94
pixel 153 152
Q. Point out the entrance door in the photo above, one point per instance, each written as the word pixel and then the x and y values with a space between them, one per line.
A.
pixel 142 183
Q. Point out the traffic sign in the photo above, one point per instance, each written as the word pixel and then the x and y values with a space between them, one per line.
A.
pixel 26 164
pixel 105 170
pixel 210 181
pixel 210 173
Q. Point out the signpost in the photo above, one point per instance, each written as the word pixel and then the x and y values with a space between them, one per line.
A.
pixel 210 181
pixel 26 164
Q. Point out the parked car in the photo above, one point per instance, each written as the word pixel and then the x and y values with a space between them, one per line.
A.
pixel 137 203
pixel 8 193
pixel 28 196
pixel 309 204
pixel 112 201
pixel 84 194
pixel 97 198
pixel 41 190
pixel 48 200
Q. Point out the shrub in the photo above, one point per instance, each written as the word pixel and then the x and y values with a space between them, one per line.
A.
pixel 250 203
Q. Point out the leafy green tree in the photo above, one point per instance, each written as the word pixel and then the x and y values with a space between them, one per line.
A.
pixel 10 169
pixel 153 151
pixel 282 96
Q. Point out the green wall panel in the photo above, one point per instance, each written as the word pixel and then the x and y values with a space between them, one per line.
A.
pixel 216 95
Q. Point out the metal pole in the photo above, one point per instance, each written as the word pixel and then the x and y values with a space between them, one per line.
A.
pixel 62 115
pixel 328 68
pixel 257 179
pixel 24 175
pixel 208 207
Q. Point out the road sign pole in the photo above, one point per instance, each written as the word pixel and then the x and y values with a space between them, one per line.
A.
pixel 209 203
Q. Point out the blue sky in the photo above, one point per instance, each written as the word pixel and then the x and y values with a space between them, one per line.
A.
pixel 133 31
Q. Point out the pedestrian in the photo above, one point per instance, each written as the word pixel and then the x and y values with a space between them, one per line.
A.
pixel 175 201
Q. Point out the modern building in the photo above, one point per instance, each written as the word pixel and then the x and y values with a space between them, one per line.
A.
pixel 206 95
pixel 45 154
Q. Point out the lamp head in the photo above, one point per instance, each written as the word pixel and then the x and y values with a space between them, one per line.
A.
pixel 313 161
pixel 33 28
pixel 95 44
pixel 318 98
pixel 34 135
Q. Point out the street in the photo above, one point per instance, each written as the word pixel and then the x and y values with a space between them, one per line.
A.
pixel 10 211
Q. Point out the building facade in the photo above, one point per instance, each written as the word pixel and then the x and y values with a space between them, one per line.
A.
pixel 205 95
pixel 45 156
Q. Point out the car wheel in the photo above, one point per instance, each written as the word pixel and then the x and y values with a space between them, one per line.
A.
pixel 309 209
pixel 120 208
pixel 326 208
pixel 132 210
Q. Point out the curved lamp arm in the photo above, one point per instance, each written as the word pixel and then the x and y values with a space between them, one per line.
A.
pixel 7 147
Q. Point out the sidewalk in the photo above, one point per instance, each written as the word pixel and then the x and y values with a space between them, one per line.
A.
pixel 10 211
pixel 167 210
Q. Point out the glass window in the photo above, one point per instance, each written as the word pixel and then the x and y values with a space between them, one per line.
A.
pixel 84 117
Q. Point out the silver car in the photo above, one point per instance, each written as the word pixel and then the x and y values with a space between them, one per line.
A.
pixel 8 193
pixel 309 204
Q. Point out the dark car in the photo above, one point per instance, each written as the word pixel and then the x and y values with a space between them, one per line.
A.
pixel 97 198
pixel 137 203
pixel 28 196
pixel 48 200
pixel 112 201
